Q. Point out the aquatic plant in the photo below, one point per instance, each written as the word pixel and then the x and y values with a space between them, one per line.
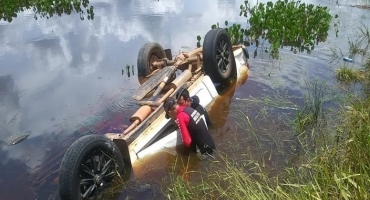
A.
pixel 118 183
pixel 312 112
pixel 335 169
pixel 45 8
pixel 285 23
pixel 346 74
pixel 359 50
pixel 336 166
pixel 226 180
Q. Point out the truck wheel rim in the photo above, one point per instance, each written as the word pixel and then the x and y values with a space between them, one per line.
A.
pixel 222 56
pixel 96 171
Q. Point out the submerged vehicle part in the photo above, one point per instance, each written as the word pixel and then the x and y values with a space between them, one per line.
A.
pixel 89 166
pixel 91 162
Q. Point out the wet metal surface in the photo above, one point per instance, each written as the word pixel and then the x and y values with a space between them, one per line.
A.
pixel 61 78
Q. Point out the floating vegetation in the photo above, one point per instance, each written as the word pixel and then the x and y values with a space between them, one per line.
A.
pixel 17 138
pixel 346 74
pixel 285 23
pixel 333 162
pixel 359 49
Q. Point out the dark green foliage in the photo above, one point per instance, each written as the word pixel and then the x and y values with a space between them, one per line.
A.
pixel 45 8
pixel 198 39
pixel 288 23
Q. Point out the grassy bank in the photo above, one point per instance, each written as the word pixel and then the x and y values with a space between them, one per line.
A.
pixel 333 161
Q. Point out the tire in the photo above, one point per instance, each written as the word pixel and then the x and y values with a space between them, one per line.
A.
pixel 149 53
pixel 77 159
pixel 213 41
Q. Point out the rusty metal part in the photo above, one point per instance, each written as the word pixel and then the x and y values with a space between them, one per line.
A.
pixel 195 77
pixel 168 93
pixel 184 76
pixel 159 88
pixel 180 59
pixel 152 83
pixel 191 58
pixel 163 83
pixel 195 51
pixel 190 67
pixel 197 70
pixel 139 133
pixel 131 127
pixel 151 74
pixel 142 113
pixel 152 59
pixel 138 117
pixel 195 58
pixel 130 133
pixel 145 111
pixel 163 62
pixel 149 103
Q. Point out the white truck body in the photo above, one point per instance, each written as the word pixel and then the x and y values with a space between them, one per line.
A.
pixel 205 89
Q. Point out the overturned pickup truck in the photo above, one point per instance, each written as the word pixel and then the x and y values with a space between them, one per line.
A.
pixel 92 161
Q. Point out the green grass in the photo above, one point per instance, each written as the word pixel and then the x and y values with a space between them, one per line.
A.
pixel 312 111
pixel 346 74
pixel 115 187
pixel 331 159
pixel 335 169
pixel 225 180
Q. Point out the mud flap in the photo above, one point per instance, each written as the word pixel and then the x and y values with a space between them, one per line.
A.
pixel 123 148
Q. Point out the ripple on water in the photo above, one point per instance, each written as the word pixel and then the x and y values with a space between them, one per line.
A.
pixel 120 102
pixel 87 126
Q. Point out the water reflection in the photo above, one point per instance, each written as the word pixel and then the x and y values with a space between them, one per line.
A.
pixel 10 9
pixel 9 100
pixel 66 73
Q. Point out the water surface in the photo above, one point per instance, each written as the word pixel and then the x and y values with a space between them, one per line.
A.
pixel 61 78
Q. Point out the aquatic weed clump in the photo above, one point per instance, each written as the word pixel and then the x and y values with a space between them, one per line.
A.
pixel 335 169
pixel 340 169
pixel 312 112
pixel 333 163
pixel 226 178
pixel 282 23
pixel 359 50
pixel 346 74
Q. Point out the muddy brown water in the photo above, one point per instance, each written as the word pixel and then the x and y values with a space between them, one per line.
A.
pixel 61 78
